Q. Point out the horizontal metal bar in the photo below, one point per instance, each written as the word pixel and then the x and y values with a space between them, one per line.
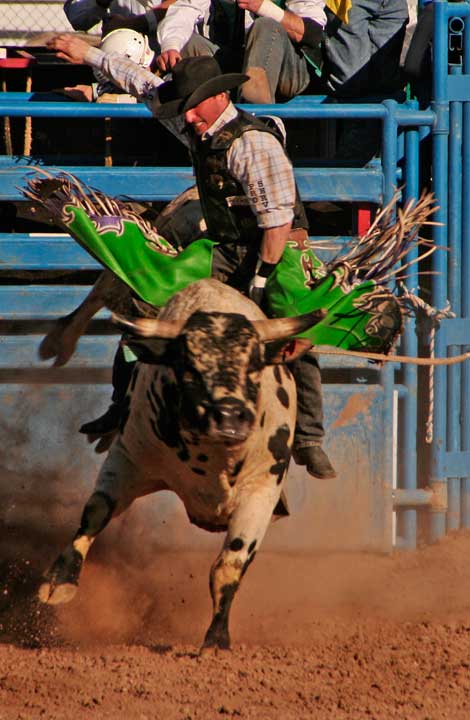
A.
pixel 145 183
pixel 21 251
pixel 162 184
pixel 308 107
pixel 24 107
pixel 411 498
pixel 21 352
pixel 406 117
pixel 41 302
pixel 24 251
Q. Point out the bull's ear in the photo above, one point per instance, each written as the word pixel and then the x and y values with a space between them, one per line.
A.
pixel 152 351
pixel 279 352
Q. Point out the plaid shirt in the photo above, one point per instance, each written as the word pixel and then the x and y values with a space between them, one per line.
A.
pixel 256 159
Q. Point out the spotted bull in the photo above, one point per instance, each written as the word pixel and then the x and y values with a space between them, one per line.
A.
pixel 210 415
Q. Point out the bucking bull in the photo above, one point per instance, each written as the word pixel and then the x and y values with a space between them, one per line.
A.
pixel 210 415
pixel 211 406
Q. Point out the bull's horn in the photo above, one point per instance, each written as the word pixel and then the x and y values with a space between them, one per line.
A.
pixel 148 327
pixel 278 328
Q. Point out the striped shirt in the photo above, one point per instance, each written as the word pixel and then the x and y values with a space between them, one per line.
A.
pixel 256 159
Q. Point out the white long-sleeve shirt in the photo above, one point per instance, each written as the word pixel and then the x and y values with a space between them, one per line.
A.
pixel 182 17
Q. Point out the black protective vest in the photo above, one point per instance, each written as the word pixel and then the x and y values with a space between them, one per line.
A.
pixel 224 203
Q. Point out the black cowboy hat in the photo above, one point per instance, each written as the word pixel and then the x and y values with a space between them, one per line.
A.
pixel 194 79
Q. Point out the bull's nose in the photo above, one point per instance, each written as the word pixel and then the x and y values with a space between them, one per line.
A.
pixel 230 418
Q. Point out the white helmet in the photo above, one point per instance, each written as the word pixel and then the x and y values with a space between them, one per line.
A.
pixel 129 43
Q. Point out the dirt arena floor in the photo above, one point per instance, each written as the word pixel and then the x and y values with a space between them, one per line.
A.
pixel 326 637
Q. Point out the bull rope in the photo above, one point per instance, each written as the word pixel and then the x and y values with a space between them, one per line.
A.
pixel 430 361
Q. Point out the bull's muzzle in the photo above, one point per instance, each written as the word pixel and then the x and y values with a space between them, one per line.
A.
pixel 229 420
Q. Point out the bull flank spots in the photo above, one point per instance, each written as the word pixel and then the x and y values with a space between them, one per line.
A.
pixel 281 452
pixel 236 544
pixel 283 397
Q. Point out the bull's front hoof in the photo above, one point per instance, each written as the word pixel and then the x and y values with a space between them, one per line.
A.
pixel 60 583
pixel 52 594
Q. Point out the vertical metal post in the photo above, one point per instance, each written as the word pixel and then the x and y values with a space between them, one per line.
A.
pixel 454 276
pixel 465 279
pixel 407 532
pixel 408 450
pixel 440 105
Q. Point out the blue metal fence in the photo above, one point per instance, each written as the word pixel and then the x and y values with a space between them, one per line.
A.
pixel 447 493
pixel 451 168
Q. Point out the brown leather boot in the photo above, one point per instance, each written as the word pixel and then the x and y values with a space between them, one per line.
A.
pixel 316 461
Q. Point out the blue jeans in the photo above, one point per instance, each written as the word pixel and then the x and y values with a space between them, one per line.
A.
pixel 269 47
pixel 309 426
pixel 362 57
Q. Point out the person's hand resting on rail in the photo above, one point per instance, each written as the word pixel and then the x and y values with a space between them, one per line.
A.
pixel 70 48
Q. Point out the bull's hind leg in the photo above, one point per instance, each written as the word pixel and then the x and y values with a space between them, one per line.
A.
pixel 246 530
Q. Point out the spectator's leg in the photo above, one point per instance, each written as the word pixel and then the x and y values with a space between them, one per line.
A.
pixel 362 59
pixel 309 431
pixel 347 51
pixel 272 63
pixel 386 32
pixel 198 46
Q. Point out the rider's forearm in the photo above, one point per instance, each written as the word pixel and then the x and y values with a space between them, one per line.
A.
pixel 273 243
